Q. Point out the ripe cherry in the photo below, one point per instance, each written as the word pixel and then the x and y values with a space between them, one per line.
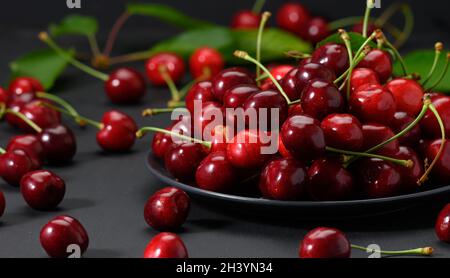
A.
pixel 293 17
pixel 429 123
pixel 315 30
pixel 400 122
pixel 125 85
pixel 228 79
pixel 408 95
pixel 116 138
pixel 2 204
pixel 380 61
pixel 245 20
pixel 283 179
pixel 441 171
pixel 303 137
pixel 206 62
pixel 375 134
pixel 236 96
pixel 162 143
pixel 167 209
pixel 295 110
pixel 321 98
pixel 363 76
pixel 115 117
pixel 14 165
pixel 166 246
pixel 22 85
pixel 30 144
pixel 373 103
pixel 211 113
pixel 59 144
pixel 442 226
pixel 278 72
pixel 332 55
pixel 216 173
pixel 310 71
pixel 61 232
pixel 411 175
pixel 42 190
pixel 325 243
pixel 201 91
pixel 4 96
pixel 170 62
pixel 183 160
pixel 343 131
pixel 290 85
pixel 268 100
pixel 41 115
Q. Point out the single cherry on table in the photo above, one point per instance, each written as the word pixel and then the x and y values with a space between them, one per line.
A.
pixel 59 144
pixel 442 227
pixel 325 243
pixel 166 246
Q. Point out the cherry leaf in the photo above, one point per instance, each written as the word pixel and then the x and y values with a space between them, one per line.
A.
pixel 75 25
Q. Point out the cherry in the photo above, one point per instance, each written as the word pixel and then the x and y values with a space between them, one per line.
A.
pixel 378 179
pixel 429 123
pixel 267 100
pixel 315 30
pixel 4 96
pixel 125 85
pixel 321 98
pixel 115 117
pixel 2 204
pixel 311 71
pixel 375 134
pixel 211 113
pixel 303 137
pixel 61 232
pixel 14 165
pixel 41 115
pixel 229 78
pixel 182 161
pixel 329 180
pixel 326 243
pixel 42 190
pixel 290 85
pixel 373 103
pixel 441 171
pixel 400 122
pixel 236 96
pixel 22 85
pixel 163 142
pixel 206 62
pixel 245 20
pixel 282 149
pixel 363 76
pixel 15 104
pixel 295 110
pixel 167 209
pixel 283 179
pixel 408 95
pixel 216 173
pixel 343 131
pixel 30 144
pixel 293 17
pixel 410 176
pixel 116 138
pixel 442 227
pixel 380 61
pixel 278 72
pixel 172 63
pixel 333 56
pixel 166 246
pixel 201 91
pixel 59 144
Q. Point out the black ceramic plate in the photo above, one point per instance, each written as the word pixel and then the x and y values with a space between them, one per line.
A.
pixel 299 209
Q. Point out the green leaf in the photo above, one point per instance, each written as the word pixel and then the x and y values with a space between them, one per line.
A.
pixel 75 25
pixel 356 40
pixel 168 14
pixel 421 61
pixel 44 65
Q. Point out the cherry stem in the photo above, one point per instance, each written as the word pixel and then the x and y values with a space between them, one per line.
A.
pixel 345 37
pixel 63 104
pixel 383 40
pixel 155 111
pixel 426 251
pixel 345 75
pixel 258 6
pixel 443 74
pixel 401 162
pixel 143 131
pixel 24 118
pixel 424 178
pixel 437 54
pixel 114 33
pixel 80 118
pixel 43 36
pixel 2 150
pixel 172 87
pixel 175 104
pixel 244 55
pixel 265 17
pixel 369 6
pixel 94 45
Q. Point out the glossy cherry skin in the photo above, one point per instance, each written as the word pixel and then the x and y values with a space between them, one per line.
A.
pixel 332 55
pixel 30 144
pixel 14 165
pixel 42 190
pixel 167 209
pixel 172 62
pixel 183 160
pixel 442 226
pixel 166 246
pixel 303 137
pixel 321 98
pixel 216 173
pixel 283 179
pixel 236 96
pixel 400 122
pixel 43 116
pixel 59 144
pixel 295 110
pixel 441 171
pixel 378 179
pixel 325 243
pixel 429 123
pixel 363 76
pixel 293 17
pixel 410 176
pixel 408 95
pixel 316 30
pixel 290 85
pixel 380 61
pixel 201 91
pixel 4 96
pixel 375 134
pixel 228 79
pixel 278 72
pixel 311 71
pixel 373 103
pixel 61 232
pixel 161 144
pixel 245 20
pixel 125 85
pixel 22 85
pixel 116 138
pixel 204 120
pixel 207 61
pixel 115 117
pixel 2 204
pixel 343 131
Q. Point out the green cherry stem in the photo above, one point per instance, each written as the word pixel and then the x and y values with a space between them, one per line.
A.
pixel 382 40
pixel 43 36
pixel 404 163
pixel 437 54
pixel 143 131
pixel 156 111
pixel 346 38
pixel 258 6
pixel 67 106
pixel 369 6
pixel 425 251
pixel 2 150
pixel 24 118
pixel 443 74
pixel 345 75
pixel 172 87
pixel 80 118
pixel 264 18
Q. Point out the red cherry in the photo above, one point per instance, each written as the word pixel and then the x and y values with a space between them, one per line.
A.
pixel 375 134
pixel 167 209
pixel 210 114
pixel 293 17
pixel 4 96
pixel 296 110
pixel 125 85
pixel 201 91
pixel 42 190
pixel 61 232
pixel 325 243
pixel 333 56
pixel 400 122
pixel 282 149
pixel 429 123
pixel 2 204
pixel 321 98
pixel 283 179
pixel 410 176
pixel 245 20
pixel 59 144
pixel 267 100
pixel 316 30
pixel 162 143
pixel 116 138
pixel 441 171
pixel 115 117
pixel 166 246
pixel 172 62
pixel 15 104
pixel 22 85
pixel 343 131
pixel 408 95
pixel 442 227
pixel 278 72
pixel 14 165
pixel 373 103
pixel 363 76
pixel 380 61
pixel 30 144
pixel 236 96
pixel 205 60
pixel 228 79
pixel 41 115
pixel 290 86
pixel 310 71
pixel 182 161
pixel 216 173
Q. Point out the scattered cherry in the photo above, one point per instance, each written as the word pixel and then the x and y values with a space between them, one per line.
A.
pixel 333 56
pixel 22 85
pixel 166 246
pixel 408 95
pixel 442 227
pixel 41 115
pixel 115 117
pixel 14 165
pixel 315 30
pixel 343 131
pixel 293 17
pixel 321 98
pixel 125 85
pixel 325 243
pixel 216 173
pixel 245 20
pixel 30 144
pixel 183 160
pixel 172 63
pixel 205 62
pixel 59 144
pixel 116 138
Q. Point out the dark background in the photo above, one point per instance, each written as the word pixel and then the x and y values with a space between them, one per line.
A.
pixel 107 193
